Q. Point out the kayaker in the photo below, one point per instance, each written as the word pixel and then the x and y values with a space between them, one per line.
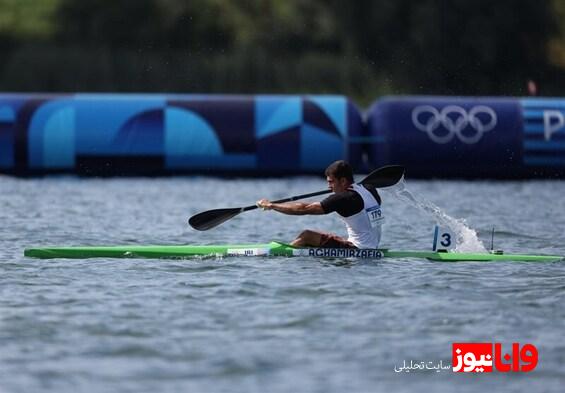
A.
pixel 357 206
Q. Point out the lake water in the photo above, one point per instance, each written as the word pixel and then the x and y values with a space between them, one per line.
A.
pixel 270 325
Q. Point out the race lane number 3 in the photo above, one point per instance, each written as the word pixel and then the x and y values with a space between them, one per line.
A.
pixel 444 239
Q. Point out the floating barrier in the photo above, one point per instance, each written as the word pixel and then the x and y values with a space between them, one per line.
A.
pixel 469 137
pixel 125 134
pixel 544 135
pixel 151 134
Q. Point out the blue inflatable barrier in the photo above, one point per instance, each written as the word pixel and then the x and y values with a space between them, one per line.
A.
pixel 151 134
pixel 123 134
pixel 448 136
pixel 544 135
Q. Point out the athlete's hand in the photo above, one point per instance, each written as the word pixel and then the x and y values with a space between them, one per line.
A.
pixel 264 204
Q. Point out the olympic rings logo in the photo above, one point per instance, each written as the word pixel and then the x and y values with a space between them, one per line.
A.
pixel 453 120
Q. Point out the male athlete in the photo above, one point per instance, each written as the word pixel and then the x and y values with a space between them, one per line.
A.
pixel 358 207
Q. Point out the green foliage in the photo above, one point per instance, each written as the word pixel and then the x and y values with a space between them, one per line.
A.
pixel 29 19
pixel 362 48
pixel 453 46
pixel 115 23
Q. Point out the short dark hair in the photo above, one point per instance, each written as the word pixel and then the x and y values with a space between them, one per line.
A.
pixel 340 169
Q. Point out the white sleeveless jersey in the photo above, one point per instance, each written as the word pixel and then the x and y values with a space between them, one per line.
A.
pixel 364 228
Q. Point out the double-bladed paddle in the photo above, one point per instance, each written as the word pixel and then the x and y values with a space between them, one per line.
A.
pixel 385 176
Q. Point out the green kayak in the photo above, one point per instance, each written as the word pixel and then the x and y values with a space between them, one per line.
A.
pixel 273 248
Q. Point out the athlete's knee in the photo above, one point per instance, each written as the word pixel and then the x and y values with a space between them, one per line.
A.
pixel 306 234
pixel 305 238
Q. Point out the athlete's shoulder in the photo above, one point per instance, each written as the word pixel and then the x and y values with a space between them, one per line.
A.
pixel 336 202
pixel 374 193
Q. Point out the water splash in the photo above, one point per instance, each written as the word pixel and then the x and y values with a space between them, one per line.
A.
pixel 467 238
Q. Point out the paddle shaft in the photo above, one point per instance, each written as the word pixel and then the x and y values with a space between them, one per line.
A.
pixel 290 199
pixel 382 177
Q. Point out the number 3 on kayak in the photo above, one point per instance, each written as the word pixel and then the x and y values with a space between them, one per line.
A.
pixel 444 239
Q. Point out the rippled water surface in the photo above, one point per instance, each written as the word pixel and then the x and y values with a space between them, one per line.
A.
pixel 269 325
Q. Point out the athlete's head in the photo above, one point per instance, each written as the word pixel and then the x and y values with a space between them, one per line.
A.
pixel 339 176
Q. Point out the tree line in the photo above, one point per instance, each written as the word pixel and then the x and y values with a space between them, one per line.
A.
pixel 362 48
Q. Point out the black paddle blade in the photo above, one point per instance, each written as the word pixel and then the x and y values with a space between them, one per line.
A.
pixel 385 176
pixel 212 218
